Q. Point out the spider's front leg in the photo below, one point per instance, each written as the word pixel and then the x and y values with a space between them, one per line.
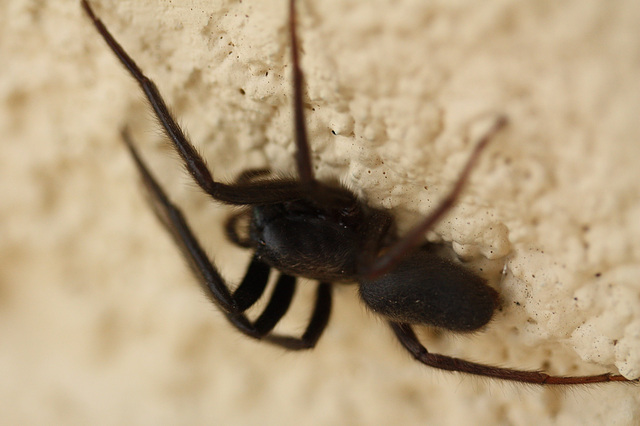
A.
pixel 415 237
pixel 241 193
pixel 252 286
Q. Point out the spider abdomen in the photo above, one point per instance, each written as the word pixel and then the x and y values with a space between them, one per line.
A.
pixel 428 289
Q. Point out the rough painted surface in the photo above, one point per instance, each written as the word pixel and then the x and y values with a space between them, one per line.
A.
pixel 100 321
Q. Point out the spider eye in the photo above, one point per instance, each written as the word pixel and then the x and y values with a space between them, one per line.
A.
pixel 350 211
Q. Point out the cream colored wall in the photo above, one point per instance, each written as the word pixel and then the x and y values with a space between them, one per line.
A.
pixel 101 323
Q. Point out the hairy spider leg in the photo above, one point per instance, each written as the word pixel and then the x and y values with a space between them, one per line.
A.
pixel 303 154
pixel 415 237
pixel 409 340
pixel 251 287
pixel 243 193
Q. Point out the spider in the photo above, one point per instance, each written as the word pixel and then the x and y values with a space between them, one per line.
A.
pixel 304 228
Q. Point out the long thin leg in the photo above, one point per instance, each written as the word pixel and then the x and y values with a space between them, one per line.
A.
pixel 278 190
pixel 415 236
pixel 253 284
pixel 303 154
pixel 174 221
pixel 410 341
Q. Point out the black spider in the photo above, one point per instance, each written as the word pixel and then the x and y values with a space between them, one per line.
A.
pixel 322 231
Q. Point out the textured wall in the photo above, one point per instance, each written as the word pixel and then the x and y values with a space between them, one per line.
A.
pixel 100 321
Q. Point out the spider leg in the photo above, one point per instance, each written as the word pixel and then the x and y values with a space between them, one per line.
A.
pixel 317 323
pixel 303 154
pixel 275 310
pixel 277 190
pixel 231 230
pixel 415 236
pixel 410 341
pixel 175 222
pixel 278 305
pixel 231 226
pixel 251 287
pixel 251 174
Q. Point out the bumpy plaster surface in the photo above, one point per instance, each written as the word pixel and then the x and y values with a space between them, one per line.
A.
pixel 100 320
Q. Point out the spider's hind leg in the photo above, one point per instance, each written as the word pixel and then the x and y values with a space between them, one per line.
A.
pixel 409 340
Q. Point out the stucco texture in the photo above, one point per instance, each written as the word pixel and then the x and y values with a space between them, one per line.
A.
pixel 101 321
